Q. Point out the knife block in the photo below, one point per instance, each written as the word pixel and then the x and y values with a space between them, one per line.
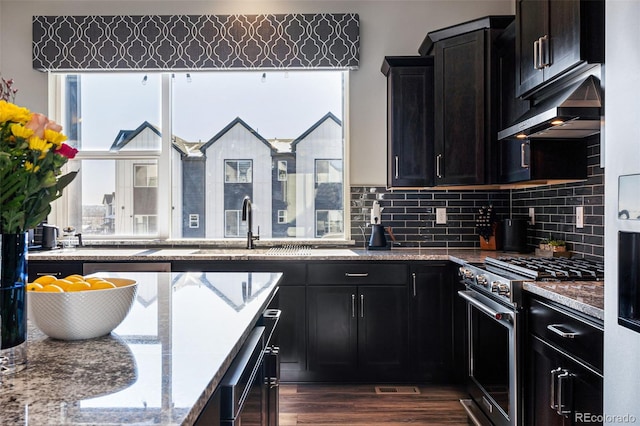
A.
pixel 495 241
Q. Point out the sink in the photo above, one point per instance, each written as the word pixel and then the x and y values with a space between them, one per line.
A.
pixel 277 251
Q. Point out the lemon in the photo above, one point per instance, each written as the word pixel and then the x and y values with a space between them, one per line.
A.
pixel 101 285
pixel 34 286
pixel 92 279
pixel 52 288
pixel 74 278
pixel 62 283
pixel 78 286
pixel 45 279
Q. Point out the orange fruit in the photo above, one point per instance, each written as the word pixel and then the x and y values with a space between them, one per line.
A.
pixel 102 285
pixel 78 286
pixel 45 279
pixel 52 288
pixel 92 279
pixel 34 286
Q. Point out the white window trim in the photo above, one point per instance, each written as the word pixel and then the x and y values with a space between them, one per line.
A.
pixel 60 207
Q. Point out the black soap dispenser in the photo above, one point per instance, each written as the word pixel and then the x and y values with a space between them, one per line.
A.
pixel 378 240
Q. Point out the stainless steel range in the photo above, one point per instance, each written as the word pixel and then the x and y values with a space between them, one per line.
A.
pixel 494 300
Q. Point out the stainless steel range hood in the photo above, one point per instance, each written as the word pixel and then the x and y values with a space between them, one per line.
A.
pixel 574 112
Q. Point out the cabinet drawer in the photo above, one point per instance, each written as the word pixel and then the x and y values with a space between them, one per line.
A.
pixel 357 273
pixel 581 340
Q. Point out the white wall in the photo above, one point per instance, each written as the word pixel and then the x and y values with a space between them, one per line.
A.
pixel 391 27
pixel 622 156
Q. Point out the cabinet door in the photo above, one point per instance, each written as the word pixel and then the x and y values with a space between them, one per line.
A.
pixel 460 112
pixel 432 323
pixel 531 18
pixel 332 329
pixel 564 37
pixel 581 393
pixel 382 330
pixel 410 126
pixel 292 332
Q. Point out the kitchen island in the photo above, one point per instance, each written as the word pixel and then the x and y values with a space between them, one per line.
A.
pixel 160 366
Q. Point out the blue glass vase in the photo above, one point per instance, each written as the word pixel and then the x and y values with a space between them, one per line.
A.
pixel 13 302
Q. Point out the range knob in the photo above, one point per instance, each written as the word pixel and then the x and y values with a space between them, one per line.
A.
pixel 465 272
pixel 482 280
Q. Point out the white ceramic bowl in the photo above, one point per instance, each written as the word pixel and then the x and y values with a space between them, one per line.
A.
pixel 82 314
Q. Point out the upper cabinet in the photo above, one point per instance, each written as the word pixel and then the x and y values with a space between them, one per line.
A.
pixel 409 121
pixel 554 37
pixel 467 99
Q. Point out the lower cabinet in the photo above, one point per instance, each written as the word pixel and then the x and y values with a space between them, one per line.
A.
pixel 436 324
pixel 58 269
pixel 563 375
pixel 357 322
pixel 357 332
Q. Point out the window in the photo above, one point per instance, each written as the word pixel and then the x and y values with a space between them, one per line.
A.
pixel 282 216
pixel 329 223
pixel 328 171
pixel 282 171
pixel 237 171
pixel 233 224
pixel 145 175
pixel 170 157
pixel 194 221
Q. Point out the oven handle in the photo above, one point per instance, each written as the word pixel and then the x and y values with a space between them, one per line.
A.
pixel 466 295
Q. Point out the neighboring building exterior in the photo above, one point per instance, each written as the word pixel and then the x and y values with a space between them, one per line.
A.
pixel 296 186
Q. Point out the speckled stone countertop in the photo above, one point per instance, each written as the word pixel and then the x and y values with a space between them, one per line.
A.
pixel 132 254
pixel 580 297
pixel 584 296
pixel 158 367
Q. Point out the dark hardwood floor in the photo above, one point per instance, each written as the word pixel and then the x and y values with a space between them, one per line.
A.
pixel 331 405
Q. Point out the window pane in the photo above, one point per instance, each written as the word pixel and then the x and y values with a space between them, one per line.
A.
pixel 278 140
pixel 103 201
pixel 114 111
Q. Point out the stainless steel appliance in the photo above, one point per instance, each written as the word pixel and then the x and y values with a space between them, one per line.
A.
pixel 249 390
pixel 493 293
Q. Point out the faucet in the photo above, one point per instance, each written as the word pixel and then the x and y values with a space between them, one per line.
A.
pixel 247 216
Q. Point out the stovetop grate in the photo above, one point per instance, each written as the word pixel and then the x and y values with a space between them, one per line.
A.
pixel 551 268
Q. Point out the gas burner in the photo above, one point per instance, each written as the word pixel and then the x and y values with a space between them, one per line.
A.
pixel 550 268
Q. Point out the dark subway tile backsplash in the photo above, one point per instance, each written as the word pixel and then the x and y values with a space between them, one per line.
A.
pixel 412 213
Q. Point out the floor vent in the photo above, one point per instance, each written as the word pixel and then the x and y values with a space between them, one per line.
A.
pixel 397 390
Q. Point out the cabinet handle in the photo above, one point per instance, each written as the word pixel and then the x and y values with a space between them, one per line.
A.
pixel 413 281
pixel 545 57
pixel 523 164
pixel 564 381
pixel 353 306
pixel 354 274
pixel 536 58
pixel 553 402
pixel 362 306
pixel 55 274
pixel 396 167
pixel 563 334
pixel 438 171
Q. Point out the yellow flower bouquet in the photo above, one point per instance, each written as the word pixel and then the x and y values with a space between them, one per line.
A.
pixel 32 154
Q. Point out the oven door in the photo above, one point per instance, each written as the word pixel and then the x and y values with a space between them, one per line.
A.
pixel 492 361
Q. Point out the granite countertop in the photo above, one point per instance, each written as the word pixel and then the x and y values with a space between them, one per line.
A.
pixel 584 296
pixel 129 254
pixel 159 367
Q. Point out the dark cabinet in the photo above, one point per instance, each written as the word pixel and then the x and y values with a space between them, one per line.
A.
pixel 436 324
pixel 467 100
pixel 357 332
pixel 563 378
pixel 59 269
pixel 554 37
pixel 542 160
pixel 409 120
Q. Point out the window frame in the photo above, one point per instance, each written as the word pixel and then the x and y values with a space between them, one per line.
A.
pixel 62 207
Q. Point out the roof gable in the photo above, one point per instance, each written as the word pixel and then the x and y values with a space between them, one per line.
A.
pixel 231 125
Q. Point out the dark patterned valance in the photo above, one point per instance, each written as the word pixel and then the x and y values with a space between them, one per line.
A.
pixel 178 42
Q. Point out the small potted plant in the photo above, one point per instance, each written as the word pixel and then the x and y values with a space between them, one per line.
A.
pixel 487 227
pixel 553 245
